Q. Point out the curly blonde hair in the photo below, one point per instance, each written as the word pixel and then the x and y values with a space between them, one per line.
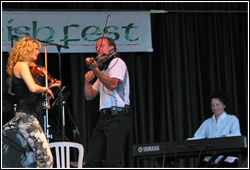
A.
pixel 21 52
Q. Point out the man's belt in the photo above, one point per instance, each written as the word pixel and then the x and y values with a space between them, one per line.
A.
pixel 108 110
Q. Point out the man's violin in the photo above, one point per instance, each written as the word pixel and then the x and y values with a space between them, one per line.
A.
pixel 103 59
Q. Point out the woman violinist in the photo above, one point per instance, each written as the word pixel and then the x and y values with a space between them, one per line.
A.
pixel 29 96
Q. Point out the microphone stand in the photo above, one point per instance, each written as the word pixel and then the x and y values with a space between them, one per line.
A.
pixel 65 106
pixel 75 131
pixel 60 94
pixel 46 120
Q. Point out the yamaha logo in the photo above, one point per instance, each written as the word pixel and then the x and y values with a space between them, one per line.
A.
pixel 140 149
pixel 149 148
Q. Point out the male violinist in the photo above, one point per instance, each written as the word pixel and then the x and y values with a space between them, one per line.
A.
pixel 108 140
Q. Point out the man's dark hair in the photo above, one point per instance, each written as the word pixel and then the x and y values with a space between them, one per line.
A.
pixel 111 42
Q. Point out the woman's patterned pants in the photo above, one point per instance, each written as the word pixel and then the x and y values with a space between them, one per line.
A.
pixel 29 127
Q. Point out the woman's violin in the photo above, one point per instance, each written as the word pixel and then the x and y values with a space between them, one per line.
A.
pixel 39 74
pixel 40 71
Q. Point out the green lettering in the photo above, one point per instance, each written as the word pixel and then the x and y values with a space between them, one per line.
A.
pixel 9 32
pixel 127 30
pixel 66 34
pixel 36 31
pixel 9 29
pixel 16 31
pixel 117 36
pixel 96 31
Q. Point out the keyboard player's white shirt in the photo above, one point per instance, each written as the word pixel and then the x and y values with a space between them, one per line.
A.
pixel 226 125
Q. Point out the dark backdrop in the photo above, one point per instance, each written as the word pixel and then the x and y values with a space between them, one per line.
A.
pixel 198 48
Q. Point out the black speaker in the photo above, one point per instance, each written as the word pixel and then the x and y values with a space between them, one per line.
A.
pixel 16 153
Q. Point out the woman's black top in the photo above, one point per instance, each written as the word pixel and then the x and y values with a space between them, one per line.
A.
pixel 28 102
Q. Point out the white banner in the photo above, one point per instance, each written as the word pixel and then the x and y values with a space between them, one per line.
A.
pixel 79 30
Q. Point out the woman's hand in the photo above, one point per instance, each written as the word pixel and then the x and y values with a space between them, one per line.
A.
pixel 56 83
pixel 49 94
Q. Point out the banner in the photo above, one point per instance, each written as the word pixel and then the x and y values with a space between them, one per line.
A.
pixel 78 30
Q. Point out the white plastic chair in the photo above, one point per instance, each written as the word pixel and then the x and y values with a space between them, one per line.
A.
pixel 60 158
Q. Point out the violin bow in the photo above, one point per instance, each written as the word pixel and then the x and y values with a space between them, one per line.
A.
pixel 46 72
pixel 105 28
pixel 46 66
